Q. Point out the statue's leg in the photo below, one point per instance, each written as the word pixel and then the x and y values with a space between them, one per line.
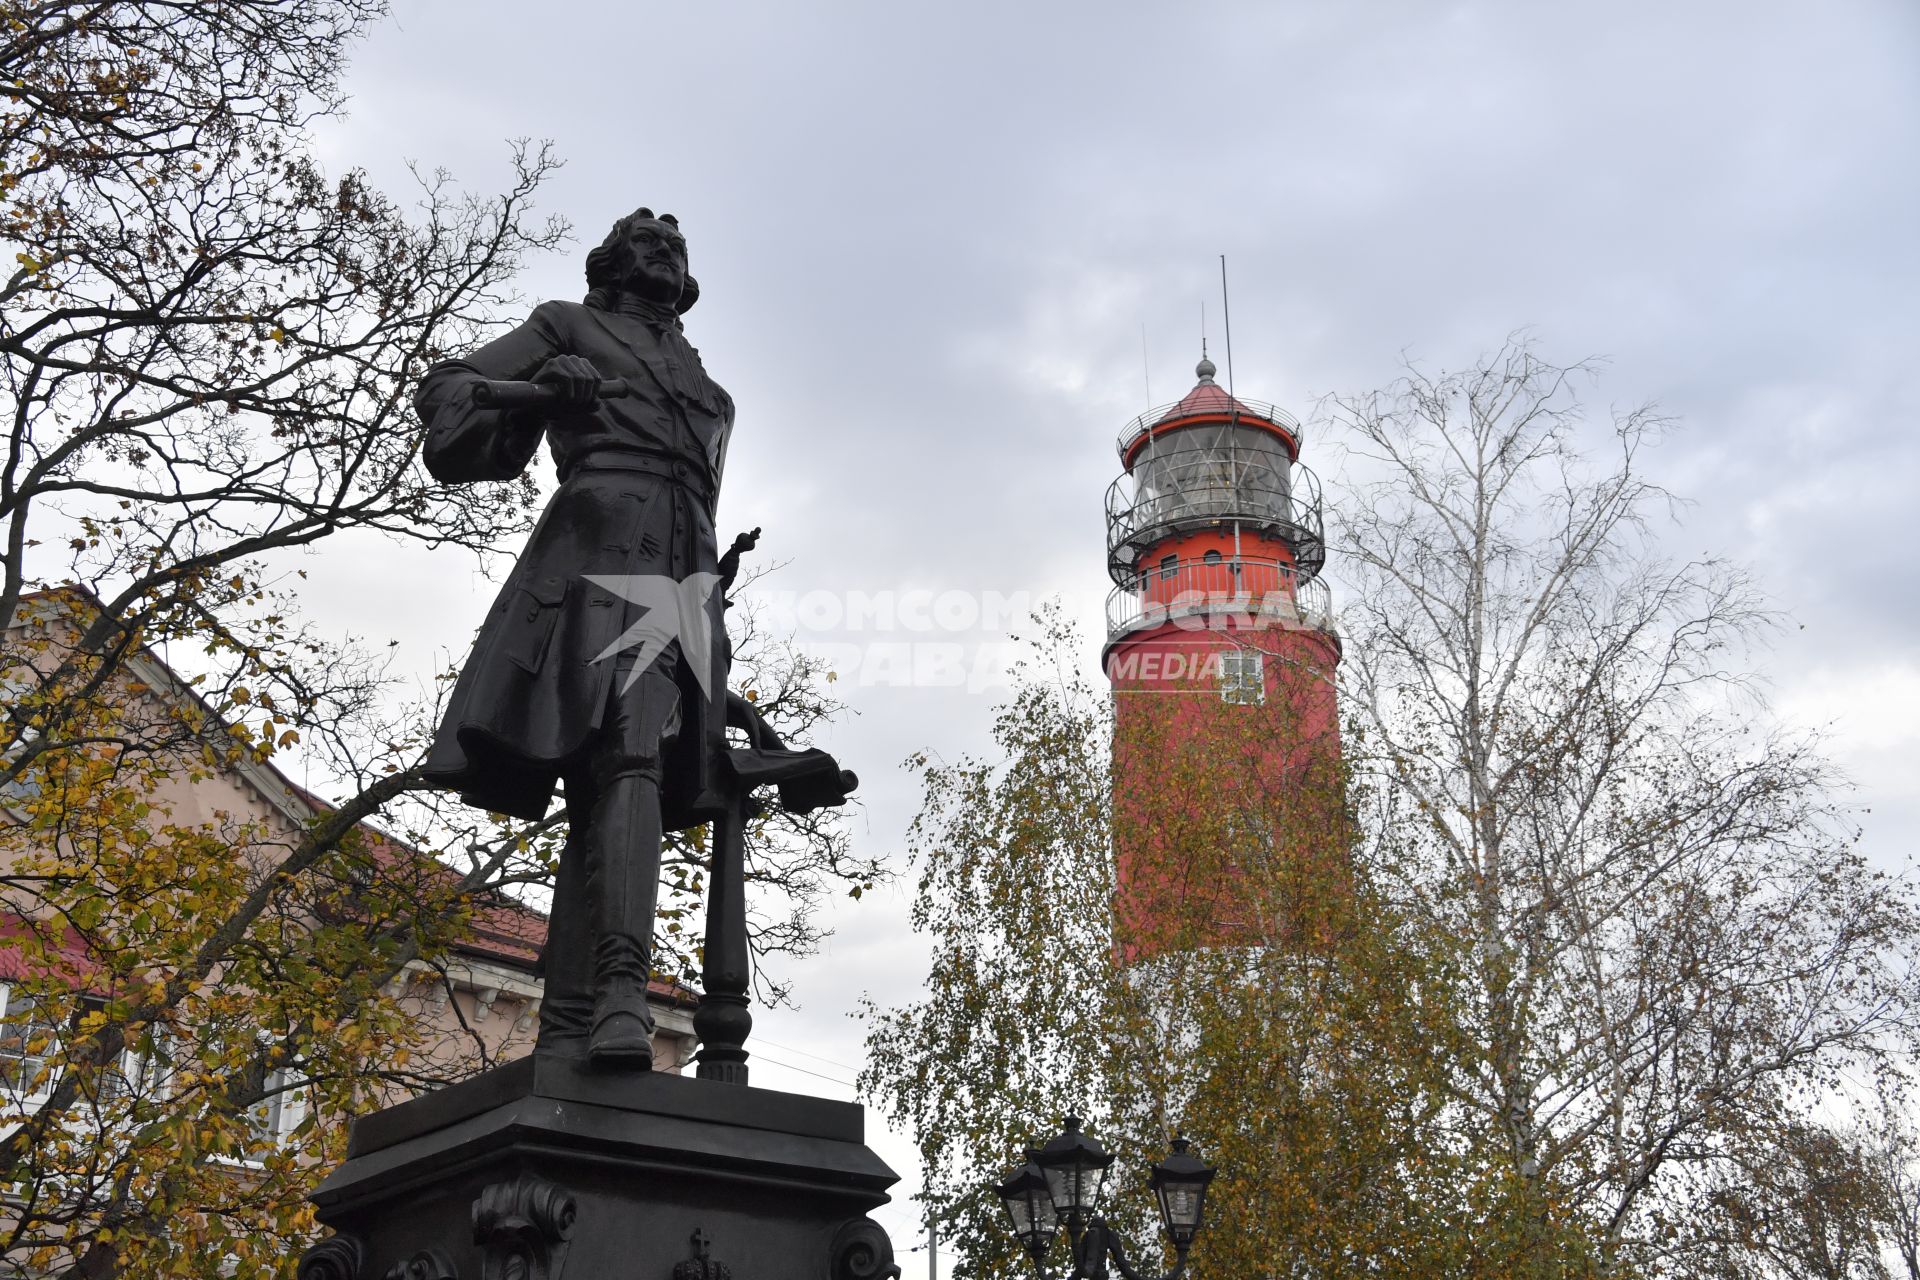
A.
pixel 623 878
pixel 566 963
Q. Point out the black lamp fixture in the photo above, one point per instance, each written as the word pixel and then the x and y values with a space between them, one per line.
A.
pixel 1075 1167
pixel 1180 1185
pixel 1030 1209
pixel 1060 1185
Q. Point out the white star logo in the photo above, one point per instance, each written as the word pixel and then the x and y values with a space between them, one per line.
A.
pixel 674 610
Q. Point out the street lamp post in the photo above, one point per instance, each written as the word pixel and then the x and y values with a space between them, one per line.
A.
pixel 1060 1186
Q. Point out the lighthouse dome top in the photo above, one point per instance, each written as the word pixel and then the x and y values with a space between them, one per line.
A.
pixel 1207 402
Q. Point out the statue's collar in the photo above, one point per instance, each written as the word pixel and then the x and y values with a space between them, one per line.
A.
pixel 658 315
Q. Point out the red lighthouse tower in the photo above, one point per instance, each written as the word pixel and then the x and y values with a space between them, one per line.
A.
pixel 1221 652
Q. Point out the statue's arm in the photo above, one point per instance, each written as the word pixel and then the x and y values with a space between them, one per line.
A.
pixel 466 442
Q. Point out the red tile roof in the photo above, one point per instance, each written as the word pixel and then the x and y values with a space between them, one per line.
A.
pixel 68 958
pixel 508 931
pixel 1209 397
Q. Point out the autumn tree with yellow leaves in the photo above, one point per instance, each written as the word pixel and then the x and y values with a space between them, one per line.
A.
pixel 208 347
pixel 1305 1061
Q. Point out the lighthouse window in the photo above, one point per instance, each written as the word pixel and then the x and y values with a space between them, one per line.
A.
pixel 1240 680
pixel 1169 565
pixel 1209 472
pixel 1212 557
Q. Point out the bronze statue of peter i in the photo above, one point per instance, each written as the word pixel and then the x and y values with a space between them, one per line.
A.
pixel 559 686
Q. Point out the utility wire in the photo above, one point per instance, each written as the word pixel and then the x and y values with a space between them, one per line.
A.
pixel 787 1048
pixel 818 1075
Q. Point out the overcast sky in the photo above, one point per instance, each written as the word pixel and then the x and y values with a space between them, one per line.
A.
pixel 929 237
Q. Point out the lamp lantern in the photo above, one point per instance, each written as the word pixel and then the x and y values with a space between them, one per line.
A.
pixel 1075 1167
pixel 1029 1208
pixel 1179 1183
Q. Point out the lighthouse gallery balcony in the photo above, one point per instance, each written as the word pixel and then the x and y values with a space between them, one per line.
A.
pixel 1237 475
pixel 1189 591
pixel 1218 406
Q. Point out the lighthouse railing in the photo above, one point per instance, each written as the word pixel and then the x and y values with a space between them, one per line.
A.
pixel 1195 488
pixel 1201 592
pixel 1252 409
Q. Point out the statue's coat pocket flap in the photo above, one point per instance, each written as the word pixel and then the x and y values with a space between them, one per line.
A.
pixel 547 591
pixel 532 612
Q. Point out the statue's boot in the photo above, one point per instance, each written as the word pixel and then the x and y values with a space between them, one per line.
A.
pixel 566 963
pixel 623 885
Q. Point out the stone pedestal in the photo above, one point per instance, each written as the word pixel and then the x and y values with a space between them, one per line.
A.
pixel 544 1170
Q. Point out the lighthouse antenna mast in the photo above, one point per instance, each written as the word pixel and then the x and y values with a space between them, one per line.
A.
pixel 1146 365
pixel 1233 416
pixel 1226 319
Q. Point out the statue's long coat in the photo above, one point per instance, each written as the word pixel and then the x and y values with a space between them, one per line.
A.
pixel 637 478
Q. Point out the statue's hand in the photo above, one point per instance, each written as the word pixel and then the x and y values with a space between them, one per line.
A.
pixel 730 562
pixel 575 379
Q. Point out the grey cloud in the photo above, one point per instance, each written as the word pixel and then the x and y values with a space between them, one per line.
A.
pixel 929 239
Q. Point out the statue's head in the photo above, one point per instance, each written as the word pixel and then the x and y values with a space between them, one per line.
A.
pixel 644 255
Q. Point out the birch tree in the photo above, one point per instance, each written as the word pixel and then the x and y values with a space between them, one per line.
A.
pixel 1676 947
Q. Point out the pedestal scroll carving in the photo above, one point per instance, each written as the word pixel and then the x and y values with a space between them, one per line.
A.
pixel 862 1251
pixel 522 1228
pixel 335 1258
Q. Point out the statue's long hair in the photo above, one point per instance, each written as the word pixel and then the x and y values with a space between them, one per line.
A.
pixel 608 266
